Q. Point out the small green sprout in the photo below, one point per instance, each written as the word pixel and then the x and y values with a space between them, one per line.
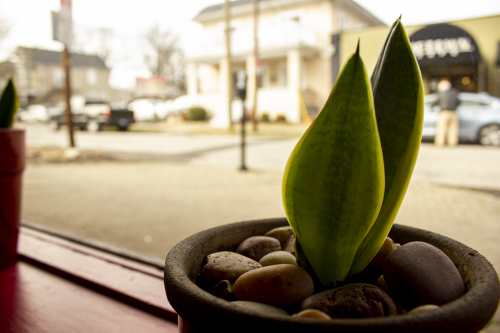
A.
pixel 9 104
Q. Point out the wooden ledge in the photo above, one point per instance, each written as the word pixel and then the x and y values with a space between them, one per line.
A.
pixel 61 286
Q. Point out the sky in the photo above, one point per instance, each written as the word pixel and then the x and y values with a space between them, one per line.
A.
pixel 30 23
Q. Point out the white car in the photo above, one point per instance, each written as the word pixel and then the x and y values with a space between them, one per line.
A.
pixel 34 113
pixel 148 109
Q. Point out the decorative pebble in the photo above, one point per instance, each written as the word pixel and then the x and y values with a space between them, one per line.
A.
pixel 278 257
pixel 259 307
pixel 279 285
pixel 382 284
pixel 312 314
pixel 258 246
pixel 419 273
pixel 224 290
pixel 228 266
pixel 290 245
pixel 424 308
pixel 387 247
pixel 357 300
pixel 282 234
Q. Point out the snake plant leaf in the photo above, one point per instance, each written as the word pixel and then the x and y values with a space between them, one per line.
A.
pixel 399 105
pixel 9 104
pixel 333 183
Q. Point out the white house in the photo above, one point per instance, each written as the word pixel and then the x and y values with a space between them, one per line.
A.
pixel 298 51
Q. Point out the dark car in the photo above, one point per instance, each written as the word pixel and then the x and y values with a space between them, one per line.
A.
pixel 94 122
pixel 478 115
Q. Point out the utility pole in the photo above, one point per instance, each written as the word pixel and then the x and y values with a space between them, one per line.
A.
pixel 62 30
pixel 66 62
pixel 256 59
pixel 229 70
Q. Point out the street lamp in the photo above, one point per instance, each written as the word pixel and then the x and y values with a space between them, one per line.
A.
pixel 241 91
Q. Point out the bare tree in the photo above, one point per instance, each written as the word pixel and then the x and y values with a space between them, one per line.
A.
pixel 105 37
pixel 163 57
pixel 97 41
pixel 4 29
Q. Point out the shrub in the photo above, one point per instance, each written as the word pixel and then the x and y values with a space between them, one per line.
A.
pixel 196 113
pixel 281 118
pixel 264 117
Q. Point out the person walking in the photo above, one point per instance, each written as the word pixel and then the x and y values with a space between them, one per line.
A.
pixel 447 120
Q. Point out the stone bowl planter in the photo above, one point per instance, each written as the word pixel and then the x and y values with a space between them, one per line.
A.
pixel 199 311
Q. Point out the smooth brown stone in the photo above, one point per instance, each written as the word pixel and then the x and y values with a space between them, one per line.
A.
pixel 279 285
pixel 278 257
pixel 382 284
pixel 290 244
pixel 357 300
pixel 387 247
pixel 424 308
pixel 282 234
pixel 224 290
pixel 258 246
pixel 418 273
pixel 228 266
pixel 312 314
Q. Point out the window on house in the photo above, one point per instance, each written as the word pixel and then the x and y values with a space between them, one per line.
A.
pixel 342 21
pixel 273 74
pixel 91 76
pixel 57 77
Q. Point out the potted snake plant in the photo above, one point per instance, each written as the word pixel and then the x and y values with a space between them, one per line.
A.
pixel 342 188
pixel 12 163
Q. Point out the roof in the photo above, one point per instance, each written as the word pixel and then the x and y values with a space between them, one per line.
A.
pixel 243 6
pixel 54 57
pixel 221 6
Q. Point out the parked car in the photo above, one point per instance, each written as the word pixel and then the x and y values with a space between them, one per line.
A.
pixel 94 115
pixel 478 114
pixel 149 109
pixel 35 113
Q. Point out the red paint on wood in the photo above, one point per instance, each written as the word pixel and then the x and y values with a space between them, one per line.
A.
pixel 88 265
pixel 94 252
pixel 32 300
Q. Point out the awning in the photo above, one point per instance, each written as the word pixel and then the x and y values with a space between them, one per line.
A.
pixel 498 56
pixel 444 45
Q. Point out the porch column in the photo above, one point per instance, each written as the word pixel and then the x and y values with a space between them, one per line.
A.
pixel 192 79
pixel 293 62
pixel 251 69
pixel 221 118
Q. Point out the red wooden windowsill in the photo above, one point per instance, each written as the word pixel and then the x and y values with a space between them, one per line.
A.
pixel 61 286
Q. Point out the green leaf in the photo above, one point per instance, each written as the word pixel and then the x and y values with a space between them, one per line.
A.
pixel 9 104
pixel 398 95
pixel 333 182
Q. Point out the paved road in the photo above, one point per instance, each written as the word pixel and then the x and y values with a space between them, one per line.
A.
pixel 148 206
pixel 469 166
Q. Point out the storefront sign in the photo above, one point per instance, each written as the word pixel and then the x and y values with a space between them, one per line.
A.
pixel 444 45
pixel 431 48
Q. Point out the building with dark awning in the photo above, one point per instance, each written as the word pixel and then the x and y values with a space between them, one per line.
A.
pixel 467 52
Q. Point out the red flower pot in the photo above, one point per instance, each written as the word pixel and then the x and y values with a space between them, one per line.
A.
pixel 12 163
